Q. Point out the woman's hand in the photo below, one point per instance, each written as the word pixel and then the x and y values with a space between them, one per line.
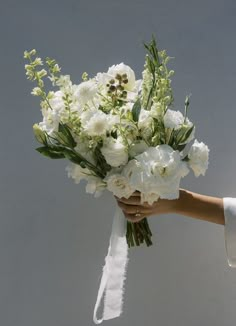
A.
pixel 132 206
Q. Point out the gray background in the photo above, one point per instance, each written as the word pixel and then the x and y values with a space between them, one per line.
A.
pixel 54 236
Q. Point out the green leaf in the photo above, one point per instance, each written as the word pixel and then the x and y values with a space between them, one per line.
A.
pixel 180 148
pixel 53 153
pixel 65 130
pixel 136 110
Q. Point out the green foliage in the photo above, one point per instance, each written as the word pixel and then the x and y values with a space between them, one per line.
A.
pixel 136 110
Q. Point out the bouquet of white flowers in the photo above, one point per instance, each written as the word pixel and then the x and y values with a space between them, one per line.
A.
pixel 118 133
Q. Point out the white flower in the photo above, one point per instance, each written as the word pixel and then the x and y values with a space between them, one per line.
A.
pixel 86 91
pixel 149 197
pixel 137 148
pixel 157 170
pixel 115 152
pixel 52 115
pixel 145 119
pixel 119 185
pixel 198 158
pixel 157 109
pixel 95 186
pixel 95 123
pixel 173 119
pixel 123 69
pixel 77 173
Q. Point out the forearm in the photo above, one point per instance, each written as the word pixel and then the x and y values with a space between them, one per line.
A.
pixel 200 206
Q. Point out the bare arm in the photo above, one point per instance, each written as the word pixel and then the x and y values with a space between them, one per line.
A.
pixel 189 203
pixel 200 206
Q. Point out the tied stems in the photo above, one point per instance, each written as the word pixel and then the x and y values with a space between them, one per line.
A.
pixel 138 232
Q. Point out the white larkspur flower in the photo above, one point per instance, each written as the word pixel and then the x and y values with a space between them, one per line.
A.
pixel 157 109
pixel 97 125
pixel 86 91
pixel 198 158
pixel 115 152
pixel 52 115
pixel 119 185
pixel 122 69
pixel 173 119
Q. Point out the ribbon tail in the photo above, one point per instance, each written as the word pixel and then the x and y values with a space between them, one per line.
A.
pixel 114 271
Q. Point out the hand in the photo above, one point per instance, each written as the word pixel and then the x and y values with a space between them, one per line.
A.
pixel 132 205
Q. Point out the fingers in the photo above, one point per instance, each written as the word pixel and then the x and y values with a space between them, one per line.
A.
pixel 132 209
pixel 133 218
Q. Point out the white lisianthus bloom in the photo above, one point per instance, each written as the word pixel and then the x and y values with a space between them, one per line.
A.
pixel 77 173
pixel 122 69
pixel 173 119
pixel 115 152
pixel 98 123
pixel 149 197
pixel 119 185
pixel 95 186
pixel 158 170
pixel 198 158
pixel 86 91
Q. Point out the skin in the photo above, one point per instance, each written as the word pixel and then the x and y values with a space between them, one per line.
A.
pixel 191 204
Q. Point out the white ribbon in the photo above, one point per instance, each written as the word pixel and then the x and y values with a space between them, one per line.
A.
pixel 114 271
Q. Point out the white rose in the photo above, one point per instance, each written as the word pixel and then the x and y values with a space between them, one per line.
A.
pixel 86 91
pixel 198 158
pixel 115 152
pixel 119 185
pixel 122 69
pixel 173 119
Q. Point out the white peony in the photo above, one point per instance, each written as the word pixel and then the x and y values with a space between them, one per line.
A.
pixel 115 152
pixel 119 185
pixel 86 91
pixel 198 158
pixel 122 69
pixel 173 119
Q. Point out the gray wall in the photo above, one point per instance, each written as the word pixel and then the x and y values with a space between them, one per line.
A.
pixel 53 236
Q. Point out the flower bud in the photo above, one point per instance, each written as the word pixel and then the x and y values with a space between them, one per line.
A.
pixel 39 134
